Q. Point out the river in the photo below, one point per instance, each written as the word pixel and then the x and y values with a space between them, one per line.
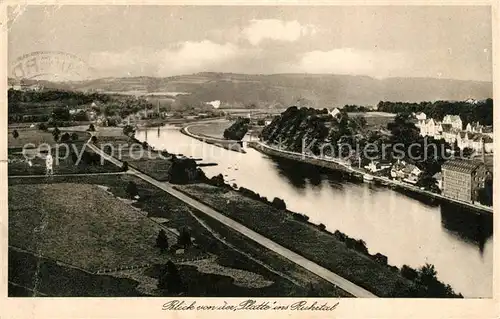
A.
pixel 458 242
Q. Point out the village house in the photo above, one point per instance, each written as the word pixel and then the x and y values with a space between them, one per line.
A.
pixel 376 166
pixel 405 171
pixel 475 136
pixel 421 117
pixel 462 179
pixel 454 120
pixel 431 128
pixel 474 127
pixel 334 113
pixel 478 142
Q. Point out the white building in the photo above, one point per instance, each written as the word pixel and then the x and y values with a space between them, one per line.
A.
pixel 454 120
pixel 334 112
pixel 431 128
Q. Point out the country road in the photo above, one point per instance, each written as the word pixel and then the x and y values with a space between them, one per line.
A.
pixel 324 273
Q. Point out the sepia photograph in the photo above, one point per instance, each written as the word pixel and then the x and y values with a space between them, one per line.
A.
pixel 255 151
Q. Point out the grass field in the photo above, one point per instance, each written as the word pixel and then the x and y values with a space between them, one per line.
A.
pixel 18 157
pixel 240 276
pixel 82 225
pixel 52 279
pixel 36 137
pixel 214 129
pixel 302 238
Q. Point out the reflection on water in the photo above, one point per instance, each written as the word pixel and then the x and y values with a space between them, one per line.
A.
pixel 473 227
pixel 409 229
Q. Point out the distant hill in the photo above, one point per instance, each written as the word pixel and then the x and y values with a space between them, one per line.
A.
pixel 283 90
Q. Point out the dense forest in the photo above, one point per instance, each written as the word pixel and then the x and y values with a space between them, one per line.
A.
pixel 298 126
pixel 238 130
pixel 481 112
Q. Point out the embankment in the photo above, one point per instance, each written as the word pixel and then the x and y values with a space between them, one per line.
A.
pixel 232 145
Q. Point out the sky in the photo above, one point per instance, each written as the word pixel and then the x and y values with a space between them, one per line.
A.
pixel 378 41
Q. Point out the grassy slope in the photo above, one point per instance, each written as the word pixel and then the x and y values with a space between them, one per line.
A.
pixel 84 226
pixel 159 204
pixel 302 238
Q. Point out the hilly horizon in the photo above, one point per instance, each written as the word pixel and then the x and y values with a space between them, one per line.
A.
pixel 282 90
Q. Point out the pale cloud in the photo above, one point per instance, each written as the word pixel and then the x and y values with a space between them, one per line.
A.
pixel 196 56
pixel 355 62
pixel 278 30
pixel 176 59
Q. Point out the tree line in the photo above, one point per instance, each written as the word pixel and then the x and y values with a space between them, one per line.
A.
pixel 481 112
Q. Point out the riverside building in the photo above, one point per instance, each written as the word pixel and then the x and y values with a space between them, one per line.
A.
pixel 462 179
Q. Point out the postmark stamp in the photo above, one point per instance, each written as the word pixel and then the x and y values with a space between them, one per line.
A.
pixel 50 65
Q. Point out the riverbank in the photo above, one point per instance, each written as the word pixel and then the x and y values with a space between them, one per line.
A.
pixel 337 164
pixel 236 146
pixel 335 251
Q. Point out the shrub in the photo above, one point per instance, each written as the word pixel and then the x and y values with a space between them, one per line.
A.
pixel 128 130
pixel 279 203
pixel 74 136
pixel 65 137
pixel 42 127
pixel 162 240
pixel 322 227
pixel 55 133
pixel 132 189
pixel 382 259
pixel 91 128
pixel 93 139
pixel 125 166
pixel 340 236
pixel 170 279
pixel 300 217
pixel 409 273
pixel 15 134
pixel 184 239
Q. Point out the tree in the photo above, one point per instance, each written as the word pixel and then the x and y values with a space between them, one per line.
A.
pixel 279 203
pixel 15 134
pixel 128 130
pixel 81 116
pixel 125 166
pixel 409 273
pixel 42 127
pixel 91 128
pixel 132 189
pixel 74 136
pixel 467 152
pixel 170 278
pixel 65 137
pixel 238 130
pixel 61 114
pixel 184 239
pixel 55 133
pixel 93 139
pixel 428 182
pixel 162 240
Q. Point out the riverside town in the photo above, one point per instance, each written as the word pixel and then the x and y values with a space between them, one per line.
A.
pixel 271 154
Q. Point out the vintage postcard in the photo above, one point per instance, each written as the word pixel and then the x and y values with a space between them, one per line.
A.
pixel 331 159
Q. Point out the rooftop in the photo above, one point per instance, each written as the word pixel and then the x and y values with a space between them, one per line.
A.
pixel 459 165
